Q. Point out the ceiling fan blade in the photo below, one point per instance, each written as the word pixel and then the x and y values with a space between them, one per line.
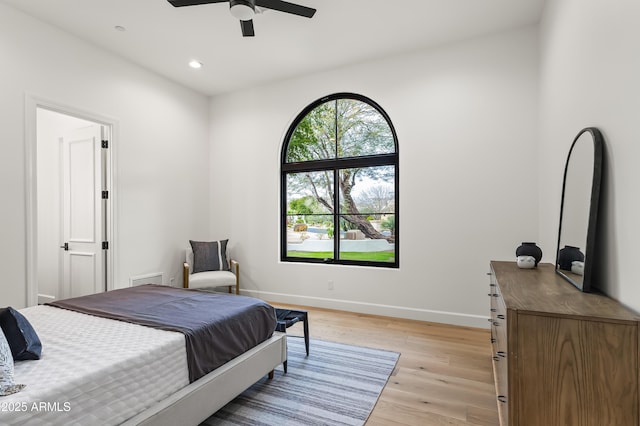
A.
pixel 180 3
pixel 247 28
pixel 284 6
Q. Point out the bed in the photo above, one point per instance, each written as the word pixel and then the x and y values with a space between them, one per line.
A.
pixel 98 370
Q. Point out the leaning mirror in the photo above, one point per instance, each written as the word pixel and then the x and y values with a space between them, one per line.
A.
pixel 579 209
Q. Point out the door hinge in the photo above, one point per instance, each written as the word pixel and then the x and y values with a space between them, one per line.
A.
pixel 105 144
pixel 105 195
pixel 105 245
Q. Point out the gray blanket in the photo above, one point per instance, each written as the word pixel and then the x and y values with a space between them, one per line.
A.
pixel 217 327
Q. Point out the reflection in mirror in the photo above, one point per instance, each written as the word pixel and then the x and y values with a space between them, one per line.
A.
pixel 579 209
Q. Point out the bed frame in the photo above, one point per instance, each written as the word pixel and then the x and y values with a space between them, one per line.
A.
pixel 197 401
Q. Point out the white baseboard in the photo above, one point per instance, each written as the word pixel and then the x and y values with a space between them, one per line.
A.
pixel 454 318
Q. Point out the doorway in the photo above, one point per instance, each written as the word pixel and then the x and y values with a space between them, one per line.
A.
pixel 70 203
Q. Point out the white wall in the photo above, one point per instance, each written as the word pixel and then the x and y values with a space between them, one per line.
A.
pixel 589 77
pixel 161 148
pixel 466 119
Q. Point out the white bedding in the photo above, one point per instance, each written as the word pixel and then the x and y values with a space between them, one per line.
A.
pixel 93 371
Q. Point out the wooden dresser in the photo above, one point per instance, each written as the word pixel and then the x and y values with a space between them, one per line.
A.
pixel 561 357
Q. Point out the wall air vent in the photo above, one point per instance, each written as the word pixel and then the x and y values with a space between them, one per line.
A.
pixel 155 278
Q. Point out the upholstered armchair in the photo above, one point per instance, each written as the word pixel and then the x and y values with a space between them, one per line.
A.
pixel 207 267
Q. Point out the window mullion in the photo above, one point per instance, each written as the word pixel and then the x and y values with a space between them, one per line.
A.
pixel 336 215
pixel 342 163
pixel 335 123
pixel 336 193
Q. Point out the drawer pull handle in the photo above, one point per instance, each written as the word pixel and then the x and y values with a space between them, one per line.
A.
pixel 496 358
pixel 492 285
pixel 494 310
pixel 493 340
pixel 495 323
pixel 502 399
pixel 492 294
pixel 500 316
pixel 502 354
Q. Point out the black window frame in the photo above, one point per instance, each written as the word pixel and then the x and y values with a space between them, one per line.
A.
pixel 336 164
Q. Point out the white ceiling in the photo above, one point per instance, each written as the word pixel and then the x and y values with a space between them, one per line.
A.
pixel 164 39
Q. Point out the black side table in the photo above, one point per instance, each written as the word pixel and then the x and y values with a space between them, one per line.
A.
pixel 286 318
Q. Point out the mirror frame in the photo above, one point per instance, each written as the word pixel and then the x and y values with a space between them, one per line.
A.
pixel 598 143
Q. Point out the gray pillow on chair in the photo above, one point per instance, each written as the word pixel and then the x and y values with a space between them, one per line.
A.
pixel 209 256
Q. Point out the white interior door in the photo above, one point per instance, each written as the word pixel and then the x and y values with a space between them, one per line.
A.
pixel 83 258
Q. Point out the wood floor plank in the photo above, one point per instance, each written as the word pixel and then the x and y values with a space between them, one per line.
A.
pixel 390 414
pixel 444 374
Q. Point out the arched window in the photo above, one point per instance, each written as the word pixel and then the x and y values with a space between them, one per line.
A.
pixel 339 184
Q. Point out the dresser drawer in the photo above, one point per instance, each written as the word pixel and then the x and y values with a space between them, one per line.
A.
pixel 500 361
pixel 497 317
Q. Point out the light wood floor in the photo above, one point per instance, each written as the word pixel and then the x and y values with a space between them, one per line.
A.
pixel 444 374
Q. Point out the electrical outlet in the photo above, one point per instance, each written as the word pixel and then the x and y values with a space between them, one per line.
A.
pixel 330 285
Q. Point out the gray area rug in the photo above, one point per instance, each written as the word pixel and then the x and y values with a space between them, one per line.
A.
pixel 336 385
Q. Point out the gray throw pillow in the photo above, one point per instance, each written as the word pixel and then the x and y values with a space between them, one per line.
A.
pixel 22 338
pixel 7 386
pixel 209 256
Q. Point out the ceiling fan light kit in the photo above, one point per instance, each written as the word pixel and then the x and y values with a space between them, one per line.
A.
pixel 244 10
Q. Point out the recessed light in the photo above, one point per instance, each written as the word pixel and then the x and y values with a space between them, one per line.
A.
pixel 195 64
pixel 120 28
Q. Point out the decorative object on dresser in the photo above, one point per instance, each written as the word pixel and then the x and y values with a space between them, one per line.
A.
pixel 561 357
pixel 568 255
pixel 528 249
pixel 526 262
pixel 579 209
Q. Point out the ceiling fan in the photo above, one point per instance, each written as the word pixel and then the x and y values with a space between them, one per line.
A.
pixel 244 10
